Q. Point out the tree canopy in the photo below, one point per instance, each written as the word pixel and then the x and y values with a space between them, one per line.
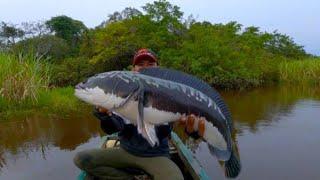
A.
pixel 66 28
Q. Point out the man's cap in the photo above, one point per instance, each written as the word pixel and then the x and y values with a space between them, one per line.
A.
pixel 144 54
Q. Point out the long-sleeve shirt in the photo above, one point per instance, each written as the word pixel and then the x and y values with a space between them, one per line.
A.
pixel 131 140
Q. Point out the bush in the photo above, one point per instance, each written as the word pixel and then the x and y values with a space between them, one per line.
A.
pixel 71 71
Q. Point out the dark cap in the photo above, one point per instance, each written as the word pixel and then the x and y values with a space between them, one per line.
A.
pixel 144 54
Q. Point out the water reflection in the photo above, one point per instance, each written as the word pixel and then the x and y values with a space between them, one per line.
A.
pixel 277 130
pixel 259 107
pixel 36 137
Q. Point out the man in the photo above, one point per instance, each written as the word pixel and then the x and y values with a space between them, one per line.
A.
pixel 134 152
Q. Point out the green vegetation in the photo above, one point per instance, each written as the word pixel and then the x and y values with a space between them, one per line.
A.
pixel 22 77
pixel 57 101
pixel 227 55
pixel 49 46
pixel 24 85
pixel 299 72
pixel 54 101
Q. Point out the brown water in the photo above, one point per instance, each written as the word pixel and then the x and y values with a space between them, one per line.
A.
pixel 277 130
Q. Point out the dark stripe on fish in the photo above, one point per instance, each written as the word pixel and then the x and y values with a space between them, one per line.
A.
pixel 183 78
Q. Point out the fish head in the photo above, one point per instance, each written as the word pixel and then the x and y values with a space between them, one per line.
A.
pixel 108 90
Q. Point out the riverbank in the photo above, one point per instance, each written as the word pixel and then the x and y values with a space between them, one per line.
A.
pixel 59 101
pixel 25 83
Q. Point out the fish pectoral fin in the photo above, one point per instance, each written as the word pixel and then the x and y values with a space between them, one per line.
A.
pixel 140 113
pixel 150 132
pixel 146 129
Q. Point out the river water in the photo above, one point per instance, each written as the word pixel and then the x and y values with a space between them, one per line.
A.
pixel 277 131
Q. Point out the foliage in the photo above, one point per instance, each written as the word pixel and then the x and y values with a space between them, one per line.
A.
pixel 47 45
pixel 225 55
pixel 283 45
pixel 34 29
pixel 9 34
pixel 115 43
pixel 71 71
pixel 68 29
pixel 127 13
pixel 162 10
pixel 222 55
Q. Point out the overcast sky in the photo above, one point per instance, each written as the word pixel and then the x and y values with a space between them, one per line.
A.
pixel 300 19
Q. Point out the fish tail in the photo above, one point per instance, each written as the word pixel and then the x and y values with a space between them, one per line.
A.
pixel 232 166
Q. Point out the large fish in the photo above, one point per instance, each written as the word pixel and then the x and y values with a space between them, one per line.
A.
pixel 159 96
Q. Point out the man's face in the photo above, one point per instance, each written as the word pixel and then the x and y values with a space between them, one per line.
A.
pixel 144 64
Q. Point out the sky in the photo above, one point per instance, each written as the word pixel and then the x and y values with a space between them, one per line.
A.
pixel 300 19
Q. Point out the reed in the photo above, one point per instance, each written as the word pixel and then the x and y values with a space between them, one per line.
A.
pixel 22 78
pixel 299 72
pixel 24 87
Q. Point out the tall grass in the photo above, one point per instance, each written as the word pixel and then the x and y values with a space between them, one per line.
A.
pixel 299 72
pixel 22 78
pixel 24 87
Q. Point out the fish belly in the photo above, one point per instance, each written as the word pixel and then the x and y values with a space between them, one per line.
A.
pixel 129 111
pixel 151 115
pixel 156 116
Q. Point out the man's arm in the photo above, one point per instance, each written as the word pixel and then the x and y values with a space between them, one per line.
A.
pixel 109 123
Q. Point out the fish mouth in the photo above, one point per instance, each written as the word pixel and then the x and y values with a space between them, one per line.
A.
pixel 80 86
pixel 81 91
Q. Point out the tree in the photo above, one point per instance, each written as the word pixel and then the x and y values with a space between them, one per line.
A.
pixel 281 44
pixel 47 45
pixel 66 28
pixel 127 13
pixel 35 29
pixel 163 10
pixel 166 15
pixel 9 33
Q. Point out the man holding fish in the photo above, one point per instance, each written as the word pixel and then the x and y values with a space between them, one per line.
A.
pixel 135 151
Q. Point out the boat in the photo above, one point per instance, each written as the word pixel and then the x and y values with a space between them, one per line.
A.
pixel 179 153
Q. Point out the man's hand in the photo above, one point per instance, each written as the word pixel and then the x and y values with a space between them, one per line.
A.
pixel 193 123
pixel 103 110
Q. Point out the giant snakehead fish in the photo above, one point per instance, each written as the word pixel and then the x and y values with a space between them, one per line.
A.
pixel 156 96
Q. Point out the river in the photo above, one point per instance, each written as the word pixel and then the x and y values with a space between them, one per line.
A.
pixel 277 131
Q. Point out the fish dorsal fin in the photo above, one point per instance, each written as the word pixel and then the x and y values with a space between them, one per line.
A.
pixel 183 78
